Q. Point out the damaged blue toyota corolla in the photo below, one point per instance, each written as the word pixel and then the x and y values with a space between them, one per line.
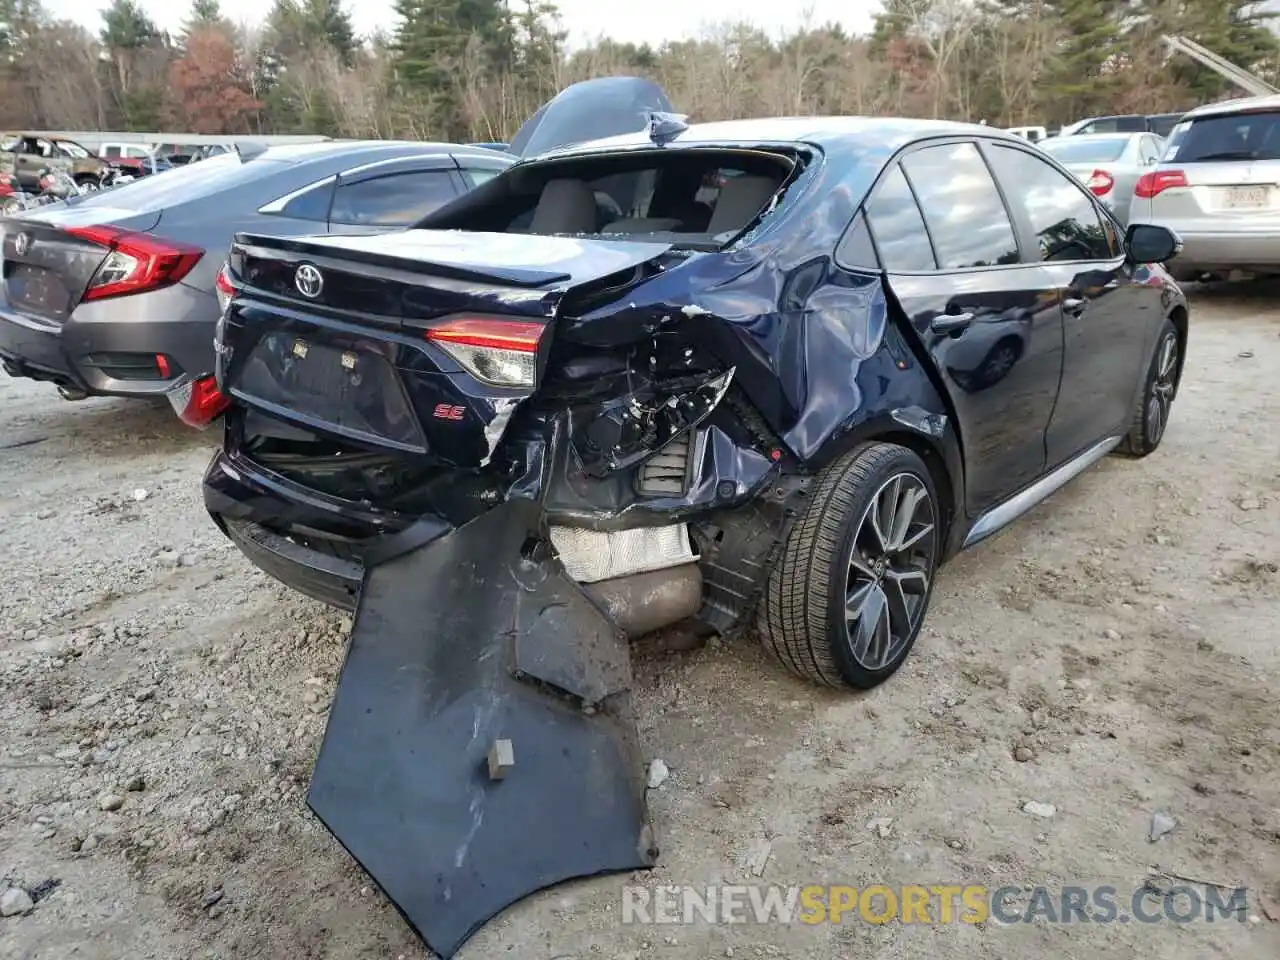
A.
pixel 764 373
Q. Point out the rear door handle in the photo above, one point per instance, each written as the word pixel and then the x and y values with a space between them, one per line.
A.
pixel 950 322
pixel 1074 305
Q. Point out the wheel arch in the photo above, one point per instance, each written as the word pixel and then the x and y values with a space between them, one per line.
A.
pixel 931 436
pixel 1018 343
pixel 1181 320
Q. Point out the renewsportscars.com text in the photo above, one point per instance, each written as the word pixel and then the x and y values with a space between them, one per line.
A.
pixel 930 904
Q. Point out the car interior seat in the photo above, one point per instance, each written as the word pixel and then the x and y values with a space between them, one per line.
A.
pixel 740 200
pixel 565 206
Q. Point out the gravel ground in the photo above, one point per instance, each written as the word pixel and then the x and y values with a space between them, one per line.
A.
pixel 1112 655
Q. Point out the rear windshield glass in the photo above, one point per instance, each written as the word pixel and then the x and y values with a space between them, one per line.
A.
pixel 694 198
pixel 1239 136
pixel 183 184
pixel 1068 150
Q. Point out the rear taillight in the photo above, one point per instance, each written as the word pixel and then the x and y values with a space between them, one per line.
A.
pixel 224 287
pixel 1157 181
pixel 1100 183
pixel 136 263
pixel 198 402
pixel 500 352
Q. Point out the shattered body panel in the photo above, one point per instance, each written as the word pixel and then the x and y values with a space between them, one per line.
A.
pixel 490 735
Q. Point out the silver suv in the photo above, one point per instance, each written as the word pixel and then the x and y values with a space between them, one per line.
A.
pixel 1218 187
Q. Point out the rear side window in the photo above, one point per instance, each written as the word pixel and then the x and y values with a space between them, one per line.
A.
pixel 312 205
pixel 1240 136
pixel 1064 218
pixel 897 227
pixel 397 200
pixel 478 175
pixel 111 151
pixel 962 207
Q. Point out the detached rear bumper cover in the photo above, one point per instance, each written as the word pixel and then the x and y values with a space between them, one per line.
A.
pixel 457 645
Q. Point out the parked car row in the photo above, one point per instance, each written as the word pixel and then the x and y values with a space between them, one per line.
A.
pixel 1215 181
pixel 1111 165
pixel 1218 185
pixel 515 408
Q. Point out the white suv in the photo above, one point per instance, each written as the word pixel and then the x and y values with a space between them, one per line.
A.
pixel 1218 187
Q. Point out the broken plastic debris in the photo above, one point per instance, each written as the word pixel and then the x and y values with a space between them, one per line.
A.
pixel 658 774
pixel 501 759
pixel 758 857
pixel 1161 823
pixel 881 825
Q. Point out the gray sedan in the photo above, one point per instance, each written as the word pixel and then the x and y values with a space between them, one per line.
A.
pixel 1109 164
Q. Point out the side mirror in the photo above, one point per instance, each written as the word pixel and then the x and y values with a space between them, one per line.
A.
pixel 1150 243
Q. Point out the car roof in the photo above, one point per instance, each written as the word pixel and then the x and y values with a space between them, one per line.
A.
pixel 1115 135
pixel 356 149
pixel 827 133
pixel 1226 108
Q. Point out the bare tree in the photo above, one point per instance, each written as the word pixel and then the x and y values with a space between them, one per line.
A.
pixel 63 86
pixel 941 27
pixel 1021 56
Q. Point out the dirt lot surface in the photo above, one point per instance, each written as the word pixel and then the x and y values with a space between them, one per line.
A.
pixel 1113 654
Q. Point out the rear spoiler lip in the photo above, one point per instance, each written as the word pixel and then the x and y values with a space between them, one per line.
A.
pixel 511 276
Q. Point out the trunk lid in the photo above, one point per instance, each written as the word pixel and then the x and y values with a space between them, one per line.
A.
pixel 590 110
pixel 47 267
pixel 421 342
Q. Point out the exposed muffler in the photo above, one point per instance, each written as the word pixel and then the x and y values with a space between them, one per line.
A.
pixel 644 578
pixel 644 602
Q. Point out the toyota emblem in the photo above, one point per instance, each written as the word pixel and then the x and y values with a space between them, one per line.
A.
pixel 21 243
pixel 309 281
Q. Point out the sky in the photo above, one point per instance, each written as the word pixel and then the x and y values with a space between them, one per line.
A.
pixel 650 21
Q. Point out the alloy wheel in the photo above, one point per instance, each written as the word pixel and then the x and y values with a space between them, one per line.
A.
pixel 1160 401
pixel 999 364
pixel 890 568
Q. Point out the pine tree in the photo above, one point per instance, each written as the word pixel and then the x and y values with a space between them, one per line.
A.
pixel 297 27
pixel 204 13
pixel 125 26
pixel 1236 30
pixel 1081 80
pixel 433 35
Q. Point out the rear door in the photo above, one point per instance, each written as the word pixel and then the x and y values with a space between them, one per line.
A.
pixel 1221 174
pixel 989 321
pixel 1108 314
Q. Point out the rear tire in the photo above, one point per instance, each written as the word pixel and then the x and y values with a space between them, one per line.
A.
pixel 846 600
pixel 1155 403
